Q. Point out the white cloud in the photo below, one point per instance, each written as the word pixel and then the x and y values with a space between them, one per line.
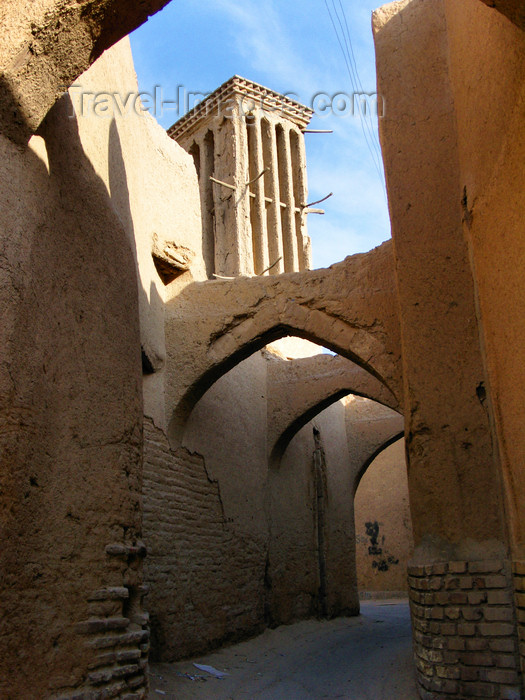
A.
pixel 262 38
pixel 293 47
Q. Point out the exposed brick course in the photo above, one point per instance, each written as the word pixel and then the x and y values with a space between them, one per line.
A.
pixel 118 639
pixel 206 579
pixel 465 634
pixel 518 568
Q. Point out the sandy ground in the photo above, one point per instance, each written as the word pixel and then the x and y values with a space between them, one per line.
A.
pixel 363 658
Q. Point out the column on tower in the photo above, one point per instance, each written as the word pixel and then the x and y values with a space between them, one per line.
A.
pixel 298 157
pixel 287 200
pixel 233 255
pixel 272 196
pixel 202 150
pixel 256 193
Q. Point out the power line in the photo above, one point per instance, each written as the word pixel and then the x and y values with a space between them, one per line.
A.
pixel 357 87
pixel 364 119
pixel 351 66
pixel 348 40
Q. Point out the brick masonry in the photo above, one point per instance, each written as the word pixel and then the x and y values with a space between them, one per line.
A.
pixel 464 629
pixel 519 587
pixel 206 577
pixel 116 632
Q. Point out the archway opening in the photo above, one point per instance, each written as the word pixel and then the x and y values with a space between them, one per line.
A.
pixel 384 539
pixel 246 545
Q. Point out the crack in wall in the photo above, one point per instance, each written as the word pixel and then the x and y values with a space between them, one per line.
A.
pixel 319 465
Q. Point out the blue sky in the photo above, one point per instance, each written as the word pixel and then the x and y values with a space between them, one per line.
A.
pixel 288 46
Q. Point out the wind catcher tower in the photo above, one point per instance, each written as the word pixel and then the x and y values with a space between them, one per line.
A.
pixel 248 147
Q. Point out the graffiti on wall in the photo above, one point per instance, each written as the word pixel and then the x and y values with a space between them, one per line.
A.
pixel 382 559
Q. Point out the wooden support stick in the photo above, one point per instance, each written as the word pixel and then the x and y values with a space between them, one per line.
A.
pixel 272 265
pixel 308 210
pixel 224 184
pixel 266 170
pixel 319 200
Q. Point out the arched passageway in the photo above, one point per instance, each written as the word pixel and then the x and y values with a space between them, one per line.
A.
pixel 257 526
pixel 384 541
pixel 302 388
pixel 224 322
pixel 37 63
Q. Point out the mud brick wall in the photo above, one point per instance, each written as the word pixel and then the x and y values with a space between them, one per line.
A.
pixel 464 625
pixel 206 579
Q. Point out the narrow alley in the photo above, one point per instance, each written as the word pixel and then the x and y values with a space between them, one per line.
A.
pixel 364 658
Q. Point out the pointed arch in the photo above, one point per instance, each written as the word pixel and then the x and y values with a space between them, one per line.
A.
pixel 349 308
pixel 298 390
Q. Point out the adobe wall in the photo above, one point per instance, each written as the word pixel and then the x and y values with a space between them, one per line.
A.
pixel 77 216
pixel 153 188
pixel 513 9
pixel 46 45
pixel 384 542
pixel 205 582
pixel 234 546
pixel 491 174
pixel 491 164
pixel 311 549
pixel 452 465
pixel 441 66
pixel 71 417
